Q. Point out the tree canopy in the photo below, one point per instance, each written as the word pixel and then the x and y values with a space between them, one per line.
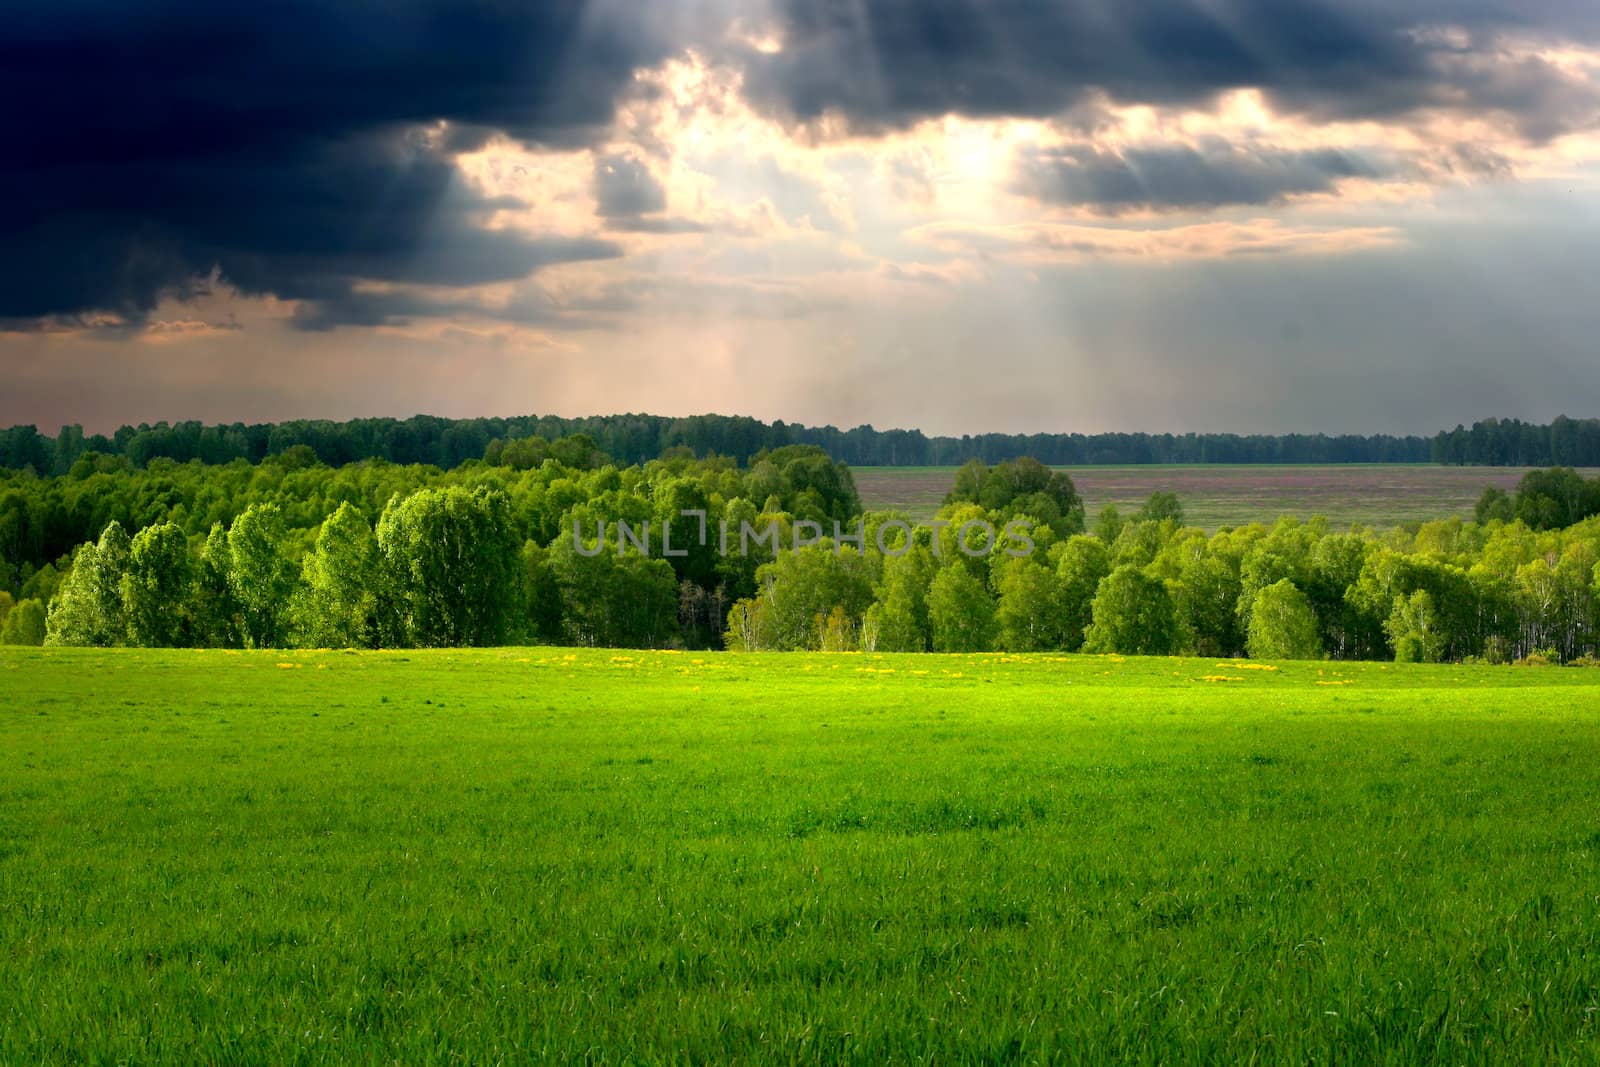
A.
pixel 768 556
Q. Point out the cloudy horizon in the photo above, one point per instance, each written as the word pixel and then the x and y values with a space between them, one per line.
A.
pixel 954 216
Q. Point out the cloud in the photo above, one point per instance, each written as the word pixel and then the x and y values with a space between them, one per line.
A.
pixel 630 198
pixel 1045 243
pixel 625 188
pixel 881 64
pixel 301 148
pixel 1180 177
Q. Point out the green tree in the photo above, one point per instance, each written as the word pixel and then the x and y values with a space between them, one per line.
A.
pixel 1555 498
pixel 72 619
pixel 1108 527
pixel 614 602
pixel 1081 563
pixel 1022 486
pixel 1283 624
pixel 748 630
pixel 110 564
pixel 156 587
pixel 1205 593
pixel 542 594
pixel 1133 614
pixel 216 619
pixel 261 574
pixel 450 558
pixel 1336 564
pixel 802 588
pixel 1495 505
pixel 838 633
pixel 1030 615
pixel 336 605
pixel 897 621
pixel 1161 507
pixel 1414 629
pixel 87 609
pixel 961 614
pixel 24 624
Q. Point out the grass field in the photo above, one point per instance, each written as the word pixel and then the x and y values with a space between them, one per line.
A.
pixel 1215 496
pixel 509 855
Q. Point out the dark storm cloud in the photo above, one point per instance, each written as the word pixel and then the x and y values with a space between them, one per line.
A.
pixel 147 145
pixel 624 187
pixel 630 198
pixel 890 63
pixel 1180 177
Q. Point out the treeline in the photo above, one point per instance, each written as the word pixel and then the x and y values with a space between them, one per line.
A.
pixel 1147 584
pixel 1512 443
pixel 47 526
pixel 377 555
pixel 637 439
pixel 1544 500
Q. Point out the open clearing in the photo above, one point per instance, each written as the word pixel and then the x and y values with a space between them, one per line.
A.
pixel 513 854
pixel 1215 496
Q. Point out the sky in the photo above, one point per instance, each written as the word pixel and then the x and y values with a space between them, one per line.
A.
pixel 962 216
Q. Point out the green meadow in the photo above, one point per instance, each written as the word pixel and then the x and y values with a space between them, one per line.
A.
pixel 530 854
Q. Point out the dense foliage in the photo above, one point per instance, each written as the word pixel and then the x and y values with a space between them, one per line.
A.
pixel 1544 500
pixel 684 552
pixel 1442 591
pixel 637 439
pixel 375 554
pixel 1513 443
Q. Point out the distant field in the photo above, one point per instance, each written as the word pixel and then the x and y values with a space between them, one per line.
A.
pixel 522 854
pixel 1215 496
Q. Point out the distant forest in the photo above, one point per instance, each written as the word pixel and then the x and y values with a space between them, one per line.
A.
pixel 636 439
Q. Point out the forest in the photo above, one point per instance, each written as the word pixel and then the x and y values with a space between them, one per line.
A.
pixel 637 439
pixel 528 545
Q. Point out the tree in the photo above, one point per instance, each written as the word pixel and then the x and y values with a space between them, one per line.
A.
pixel 87 609
pixel 1283 624
pixel 155 589
pixel 1030 617
pixel 1336 563
pixel 802 588
pixel 1285 552
pixel 1556 602
pixel 1414 629
pixel 72 620
pixel 216 612
pixel 1205 593
pixel 261 574
pixel 898 619
pixel 1454 627
pixel 1081 563
pixel 837 633
pixel 110 563
pixel 1133 614
pixel 24 624
pixel 1020 486
pixel 747 629
pixel 1160 507
pixel 451 559
pixel 336 605
pixel 542 595
pixel 1495 505
pixel 961 614
pixel 614 602
pixel 1108 527
pixel 1555 498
